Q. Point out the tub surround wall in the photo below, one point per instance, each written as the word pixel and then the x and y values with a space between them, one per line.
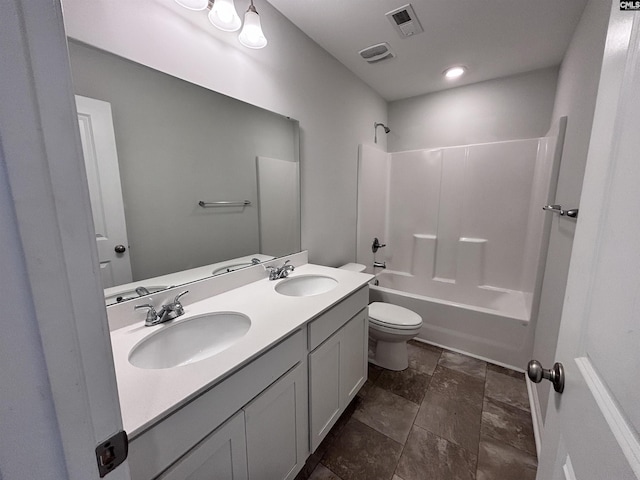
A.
pixel 456 215
pixel 465 235
pixel 373 187
pixel 543 192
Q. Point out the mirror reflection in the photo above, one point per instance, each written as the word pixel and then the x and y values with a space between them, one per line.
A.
pixel 207 183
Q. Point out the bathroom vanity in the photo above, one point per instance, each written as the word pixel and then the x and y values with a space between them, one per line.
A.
pixel 259 407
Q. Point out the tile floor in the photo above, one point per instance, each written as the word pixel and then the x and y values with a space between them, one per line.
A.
pixel 448 416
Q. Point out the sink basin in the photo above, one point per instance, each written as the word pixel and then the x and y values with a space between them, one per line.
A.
pixel 306 285
pixel 190 340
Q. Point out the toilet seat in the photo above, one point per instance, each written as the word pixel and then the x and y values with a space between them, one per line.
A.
pixel 389 316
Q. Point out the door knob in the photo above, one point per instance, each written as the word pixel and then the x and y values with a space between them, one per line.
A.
pixel 120 249
pixel 555 375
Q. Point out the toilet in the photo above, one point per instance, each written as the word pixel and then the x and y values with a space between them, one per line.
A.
pixel 391 327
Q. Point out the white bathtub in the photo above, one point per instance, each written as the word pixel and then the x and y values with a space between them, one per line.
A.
pixel 485 322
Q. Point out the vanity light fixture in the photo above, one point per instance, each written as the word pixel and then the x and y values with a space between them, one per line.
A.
pixel 193 4
pixel 251 35
pixel 452 73
pixel 223 15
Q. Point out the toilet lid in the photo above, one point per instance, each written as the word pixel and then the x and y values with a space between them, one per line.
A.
pixel 354 267
pixel 393 316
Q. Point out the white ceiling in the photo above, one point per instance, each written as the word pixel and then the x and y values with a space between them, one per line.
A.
pixel 493 38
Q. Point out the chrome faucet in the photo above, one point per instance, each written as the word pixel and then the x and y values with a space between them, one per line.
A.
pixel 167 312
pixel 142 291
pixel 280 272
pixel 379 264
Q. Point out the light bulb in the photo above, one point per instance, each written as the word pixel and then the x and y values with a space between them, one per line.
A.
pixel 193 4
pixel 251 35
pixel 223 15
pixel 454 72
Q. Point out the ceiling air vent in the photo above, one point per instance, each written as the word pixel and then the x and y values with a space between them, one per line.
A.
pixel 405 21
pixel 377 53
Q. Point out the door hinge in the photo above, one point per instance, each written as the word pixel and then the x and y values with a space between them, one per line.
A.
pixel 112 452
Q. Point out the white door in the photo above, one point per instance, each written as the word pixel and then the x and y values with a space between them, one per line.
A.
pixel 103 173
pixel 591 430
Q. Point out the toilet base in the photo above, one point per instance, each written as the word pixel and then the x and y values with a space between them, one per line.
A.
pixel 391 355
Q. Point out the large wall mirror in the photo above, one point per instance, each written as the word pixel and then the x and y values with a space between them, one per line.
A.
pixel 177 145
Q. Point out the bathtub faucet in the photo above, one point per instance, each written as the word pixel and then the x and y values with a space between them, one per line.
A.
pixel 379 265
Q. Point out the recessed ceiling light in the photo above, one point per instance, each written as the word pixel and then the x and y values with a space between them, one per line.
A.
pixel 452 73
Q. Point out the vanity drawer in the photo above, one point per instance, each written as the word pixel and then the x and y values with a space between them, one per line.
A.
pixel 160 446
pixel 329 322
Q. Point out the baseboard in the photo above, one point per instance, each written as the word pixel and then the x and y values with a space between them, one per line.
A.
pixel 536 414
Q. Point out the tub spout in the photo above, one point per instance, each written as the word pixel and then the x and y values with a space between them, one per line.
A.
pixel 379 265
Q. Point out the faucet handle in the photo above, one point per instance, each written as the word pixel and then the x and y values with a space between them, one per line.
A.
pixel 376 245
pixel 177 299
pixel 270 268
pixel 177 305
pixel 152 315
pixel 146 305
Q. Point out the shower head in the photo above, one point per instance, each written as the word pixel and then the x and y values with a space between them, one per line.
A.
pixel 386 129
pixel 375 130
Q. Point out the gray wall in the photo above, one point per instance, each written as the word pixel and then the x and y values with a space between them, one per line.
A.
pixel 179 143
pixel 576 98
pixel 508 108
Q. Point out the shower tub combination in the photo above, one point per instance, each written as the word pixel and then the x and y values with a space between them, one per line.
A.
pixel 466 239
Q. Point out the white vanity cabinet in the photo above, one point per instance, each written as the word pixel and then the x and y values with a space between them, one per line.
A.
pixel 266 440
pixel 223 454
pixel 202 438
pixel 261 418
pixel 338 365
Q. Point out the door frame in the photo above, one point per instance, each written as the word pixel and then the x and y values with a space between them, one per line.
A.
pixel 47 179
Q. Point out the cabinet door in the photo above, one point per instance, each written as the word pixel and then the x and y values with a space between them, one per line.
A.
pixel 277 428
pixel 337 370
pixel 324 389
pixel 353 357
pixel 223 454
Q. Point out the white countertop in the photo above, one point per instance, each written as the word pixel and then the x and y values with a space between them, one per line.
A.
pixel 147 396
